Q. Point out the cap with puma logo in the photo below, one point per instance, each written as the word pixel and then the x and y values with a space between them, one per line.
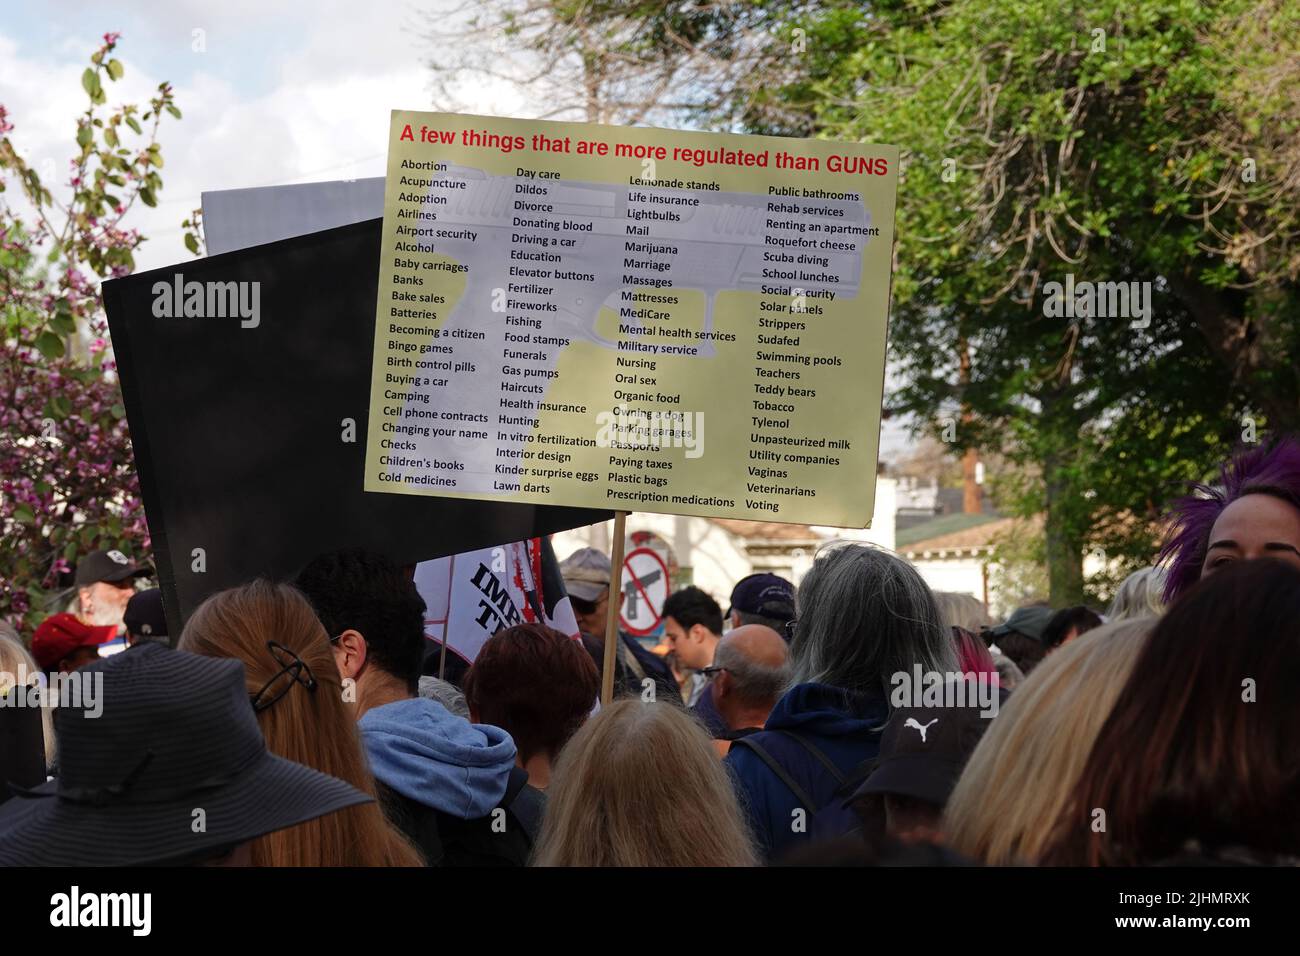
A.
pixel 923 751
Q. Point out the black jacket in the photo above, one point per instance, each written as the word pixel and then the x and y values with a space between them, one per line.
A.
pixel 627 680
pixel 446 840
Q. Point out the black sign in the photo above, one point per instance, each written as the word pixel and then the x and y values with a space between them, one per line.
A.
pixel 246 379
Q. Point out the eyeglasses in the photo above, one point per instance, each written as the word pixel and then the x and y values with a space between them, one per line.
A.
pixel 711 671
pixel 290 664
pixel 789 628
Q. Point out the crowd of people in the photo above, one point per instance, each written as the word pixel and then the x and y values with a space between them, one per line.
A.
pixel 861 718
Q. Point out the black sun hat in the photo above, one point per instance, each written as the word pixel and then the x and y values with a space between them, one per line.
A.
pixel 171 734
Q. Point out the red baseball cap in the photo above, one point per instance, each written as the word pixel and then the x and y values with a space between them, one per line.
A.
pixel 61 634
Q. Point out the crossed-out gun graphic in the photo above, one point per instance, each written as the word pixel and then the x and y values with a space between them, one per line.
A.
pixel 633 595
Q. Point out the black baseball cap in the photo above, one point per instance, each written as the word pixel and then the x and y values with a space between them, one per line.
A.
pixel 1029 621
pixel 144 618
pixel 767 595
pixel 110 566
pixel 923 751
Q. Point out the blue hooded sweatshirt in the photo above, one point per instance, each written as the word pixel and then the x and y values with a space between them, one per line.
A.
pixel 842 724
pixel 429 755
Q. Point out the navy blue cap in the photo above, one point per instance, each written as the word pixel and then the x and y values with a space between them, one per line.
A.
pixel 144 617
pixel 767 595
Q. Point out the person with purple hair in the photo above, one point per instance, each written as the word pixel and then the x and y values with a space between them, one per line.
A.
pixel 1253 512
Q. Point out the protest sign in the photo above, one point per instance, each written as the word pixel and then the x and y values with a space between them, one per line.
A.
pixel 469 597
pixel 246 380
pixel 645 588
pixel 239 218
pixel 638 319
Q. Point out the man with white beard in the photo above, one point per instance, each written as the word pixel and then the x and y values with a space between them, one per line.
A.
pixel 105 583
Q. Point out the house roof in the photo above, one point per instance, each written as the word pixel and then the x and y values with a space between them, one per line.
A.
pixel 963 525
pixel 767 530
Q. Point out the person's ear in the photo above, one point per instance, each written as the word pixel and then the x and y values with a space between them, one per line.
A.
pixel 350 653
pixel 698 632
pixel 723 684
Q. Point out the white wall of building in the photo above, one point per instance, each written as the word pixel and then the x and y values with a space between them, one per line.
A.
pixel 962 575
pixel 719 558
pixel 881 531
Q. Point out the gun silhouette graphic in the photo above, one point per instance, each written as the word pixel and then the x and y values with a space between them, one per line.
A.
pixel 633 595
pixel 721 244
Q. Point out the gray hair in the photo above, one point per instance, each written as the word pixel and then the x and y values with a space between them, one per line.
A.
pixel 755 684
pixel 445 693
pixel 864 615
pixel 744 617
pixel 1009 675
pixel 962 610
pixel 1139 596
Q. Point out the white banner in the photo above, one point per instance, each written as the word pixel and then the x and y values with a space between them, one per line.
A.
pixel 473 595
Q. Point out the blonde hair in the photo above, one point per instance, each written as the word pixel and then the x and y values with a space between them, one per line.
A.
pixel 15 659
pixel 1140 595
pixel 962 610
pixel 640 785
pixel 1025 768
pixel 316 728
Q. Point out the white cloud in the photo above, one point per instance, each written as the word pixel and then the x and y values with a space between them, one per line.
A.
pixel 324 117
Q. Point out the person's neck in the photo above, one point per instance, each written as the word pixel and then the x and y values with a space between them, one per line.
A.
pixel 746 719
pixel 712 648
pixel 377 688
pixel 538 767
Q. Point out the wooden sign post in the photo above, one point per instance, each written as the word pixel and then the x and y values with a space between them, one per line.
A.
pixel 615 605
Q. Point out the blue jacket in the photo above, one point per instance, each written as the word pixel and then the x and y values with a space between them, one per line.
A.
pixel 842 724
pixel 427 754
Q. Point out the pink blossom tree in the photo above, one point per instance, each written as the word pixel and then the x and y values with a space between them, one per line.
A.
pixel 67 475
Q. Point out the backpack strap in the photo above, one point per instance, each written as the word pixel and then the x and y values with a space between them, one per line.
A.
pixel 816 751
pixel 799 792
pixel 517 780
pixel 857 778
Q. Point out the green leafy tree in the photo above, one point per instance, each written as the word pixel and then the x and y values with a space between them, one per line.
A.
pixel 628 62
pixel 1117 142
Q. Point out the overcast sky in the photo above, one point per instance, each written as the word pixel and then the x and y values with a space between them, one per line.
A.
pixel 271 92
pixel 282 92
